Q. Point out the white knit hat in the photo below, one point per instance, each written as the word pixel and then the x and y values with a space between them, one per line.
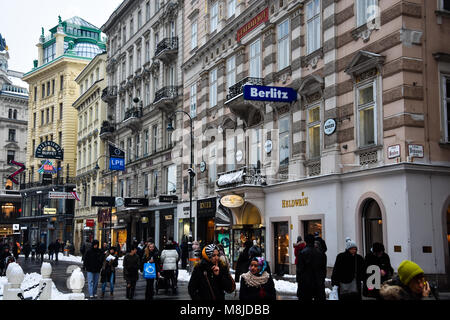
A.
pixel 349 243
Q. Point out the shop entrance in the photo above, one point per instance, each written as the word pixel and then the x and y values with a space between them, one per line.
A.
pixel 242 233
pixel 281 246
pixel 372 224
pixel 166 227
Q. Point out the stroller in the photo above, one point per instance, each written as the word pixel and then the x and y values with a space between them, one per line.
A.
pixel 165 281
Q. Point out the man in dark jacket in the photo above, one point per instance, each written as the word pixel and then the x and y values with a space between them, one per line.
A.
pixel 57 248
pixel 311 270
pixel 51 250
pixel 184 247
pixel 377 257
pixel 26 250
pixel 320 243
pixel 42 249
pixel 93 262
pixel 131 266
pixel 210 278
pixel 243 261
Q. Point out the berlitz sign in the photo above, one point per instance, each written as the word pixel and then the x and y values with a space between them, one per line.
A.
pixel 58 153
pixel 275 94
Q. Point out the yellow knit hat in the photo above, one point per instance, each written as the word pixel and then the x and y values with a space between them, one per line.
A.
pixel 407 270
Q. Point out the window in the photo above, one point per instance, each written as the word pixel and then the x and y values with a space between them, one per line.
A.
pixel 131 28
pixel 284 141
pixel 121 188
pixel 130 70
pixel 366 11
pixel 212 170
pixel 313 26
pixel 194 100
pixel 155 183
pixel 146 140
pixel 156 5
pixel 213 88
pixel 53 114
pixel 139 19
pixel 48 114
pixel 156 39
pixel 34 120
pixel 61 83
pixel 129 149
pixel 60 111
pixel 11 155
pixel 15 114
pixel 147 51
pixel 230 153
pixel 283 45
pixel 171 179
pixel 43 91
pixel 147 11
pixel 155 138
pixel 86 85
pixel 42 117
pixel 10 114
pixel 12 135
pixel 48 88
pixel 137 145
pixel 147 93
pixel 124 35
pixel 255 148
pixel 314 132
pixel 138 58
pixel 97 72
pixel 60 140
pixel 172 29
pixel 255 59
pixel 231 8
pixel 35 93
pixel 194 35
pixel 53 86
pixel 445 5
pixel 124 70
pixel 214 16
pixel 446 105
pixel 366 101
pixel 231 71
pixel 81 89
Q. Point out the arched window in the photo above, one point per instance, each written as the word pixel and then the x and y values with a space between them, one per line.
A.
pixel 10 114
pixel 372 224
pixel 15 114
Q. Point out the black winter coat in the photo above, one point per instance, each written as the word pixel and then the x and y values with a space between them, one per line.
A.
pixel 384 263
pixel 242 264
pixel 311 272
pixel 131 266
pixel 344 269
pixel 152 255
pixel 198 284
pixel 263 292
pixel 108 268
pixel 93 260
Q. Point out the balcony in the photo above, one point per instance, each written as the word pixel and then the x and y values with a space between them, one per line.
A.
pixel 132 118
pixel 251 112
pixel 106 130
pixel 166 98
pixel 242 176
pixel 167 49
pixel 109 94
pixel 55 182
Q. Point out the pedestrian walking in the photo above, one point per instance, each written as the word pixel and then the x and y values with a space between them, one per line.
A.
pixel 243 262
pixel 33 251
pixel 57 248
pixel 254 251
pixel 410 284
pixel 184 247
pixel 85 246
pixel 320 243
pixel 131 266
pixel 51 250
pixel 26 250
pixel 16 250
pixel 348 272
pixel 377 257
pixel 257 284
pixel 42 248
pixel 311 272
pixel 169 260
pixel 3 256
pixel 210 279
pixel 93 262
pixel 151 255
pixel 108 272
pixel 298 247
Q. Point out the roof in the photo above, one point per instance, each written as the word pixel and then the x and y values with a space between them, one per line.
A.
pixel 80 22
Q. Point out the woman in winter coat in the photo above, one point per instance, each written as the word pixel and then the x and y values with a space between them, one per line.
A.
pixel 169 260
pixel 257 283
pixel 348 265
pixel 151 254
pixel 108 272
pixel 131 266
pixel 210 278
pixel 379 258
pixel 243 261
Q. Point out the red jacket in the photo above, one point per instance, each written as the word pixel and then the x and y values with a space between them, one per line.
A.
pixel 298 247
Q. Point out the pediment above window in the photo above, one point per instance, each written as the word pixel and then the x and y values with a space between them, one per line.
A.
pixel 311 86
pixel 364 61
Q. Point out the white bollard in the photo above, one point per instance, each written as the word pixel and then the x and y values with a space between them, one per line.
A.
pixel 76 282
pixel 15 276
pixel 46 271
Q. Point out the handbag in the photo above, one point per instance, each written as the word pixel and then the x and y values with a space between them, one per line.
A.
pixel 149 270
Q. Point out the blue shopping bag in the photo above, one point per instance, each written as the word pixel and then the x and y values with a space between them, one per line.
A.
pixel 149 270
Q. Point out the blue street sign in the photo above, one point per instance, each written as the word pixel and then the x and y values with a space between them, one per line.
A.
pixel 117 164
pixel 276 94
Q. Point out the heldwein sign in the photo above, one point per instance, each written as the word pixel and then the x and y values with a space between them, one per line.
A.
pixel 263 93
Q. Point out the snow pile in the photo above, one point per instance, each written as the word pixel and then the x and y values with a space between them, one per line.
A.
pixel 285 287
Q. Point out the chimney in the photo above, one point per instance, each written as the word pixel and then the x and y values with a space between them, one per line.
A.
pixel 59 36
pixel 40 47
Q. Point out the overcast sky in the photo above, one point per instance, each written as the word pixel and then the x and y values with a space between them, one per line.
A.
pixel 21 22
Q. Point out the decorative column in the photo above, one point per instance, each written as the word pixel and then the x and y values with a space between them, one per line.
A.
pixel 15 276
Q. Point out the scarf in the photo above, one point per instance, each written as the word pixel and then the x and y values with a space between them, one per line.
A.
pixel 255 281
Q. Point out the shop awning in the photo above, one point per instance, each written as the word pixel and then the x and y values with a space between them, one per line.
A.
pixel 231 178
pixel 223 217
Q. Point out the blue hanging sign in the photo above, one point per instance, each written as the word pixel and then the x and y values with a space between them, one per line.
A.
pixel 117 164
pixel 263 93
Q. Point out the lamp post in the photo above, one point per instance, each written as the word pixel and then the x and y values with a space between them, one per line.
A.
pixel 111 192
pixel 191 170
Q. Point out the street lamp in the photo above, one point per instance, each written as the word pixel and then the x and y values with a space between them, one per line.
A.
pixel 191 170
pixel 111 207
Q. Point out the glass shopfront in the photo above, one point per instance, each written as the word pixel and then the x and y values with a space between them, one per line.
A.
pixel 166 226
pixel 206 212
pixel 281 247
pixel 242 233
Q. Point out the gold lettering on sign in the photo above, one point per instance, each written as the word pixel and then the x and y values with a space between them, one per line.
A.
pixel 295 203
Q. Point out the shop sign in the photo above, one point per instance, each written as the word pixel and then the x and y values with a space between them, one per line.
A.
pixel 61 195
pixel 16 227
pixel 264 93
pixel 49 210
pixel 90 223
pixel 103 201
pixel 168 198
pixel 301 202
pixel 263 16
pixel 58 153
pixel 329 127
pixel 116 158
pixel 415 150
pixel 46 178
pixel 393 151
pixel 232 201
pixel 136 202
pixel 206 207
pixel 144 220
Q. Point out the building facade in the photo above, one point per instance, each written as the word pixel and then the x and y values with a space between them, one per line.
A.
pixel 361 152
pixel 144 81
pixel 90 148
pixel 48 202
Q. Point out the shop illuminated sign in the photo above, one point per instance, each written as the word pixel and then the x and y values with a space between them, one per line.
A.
pixel 263 16
pixel 41 151
pixel 301 202
pixel 232 201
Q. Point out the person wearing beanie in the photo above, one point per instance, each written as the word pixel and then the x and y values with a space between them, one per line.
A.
pixel 210 279
pixel 410 284
pixel 131 266
pixel 311 272
pixel 348 272
pixel 377 257
pixel 93 262
pixel 257 284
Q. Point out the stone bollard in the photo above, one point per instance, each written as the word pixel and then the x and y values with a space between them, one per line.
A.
pixel 15 276
pixel 46 271
pixel 76 282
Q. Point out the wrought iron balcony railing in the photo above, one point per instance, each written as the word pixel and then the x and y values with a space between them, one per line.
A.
pixel 244 175
pixel 169 44
pixel 237 88
pixel 170 92
pixel 106 128
pixel 109 93
pixel 133 113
